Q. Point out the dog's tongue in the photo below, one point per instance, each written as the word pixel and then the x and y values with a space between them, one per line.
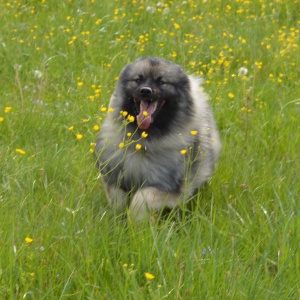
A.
pixel 144 118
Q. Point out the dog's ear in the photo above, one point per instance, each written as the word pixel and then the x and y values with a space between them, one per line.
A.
pixel 181 68
pixel 125 73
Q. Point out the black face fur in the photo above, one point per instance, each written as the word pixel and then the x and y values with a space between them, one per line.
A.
pixel 160 85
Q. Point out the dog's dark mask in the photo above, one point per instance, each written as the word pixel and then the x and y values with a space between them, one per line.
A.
pixel 148 101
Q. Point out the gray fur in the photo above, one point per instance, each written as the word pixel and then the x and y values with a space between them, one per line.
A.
pixel 158 175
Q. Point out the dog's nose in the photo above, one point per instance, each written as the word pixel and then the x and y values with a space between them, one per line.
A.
pixel 146 91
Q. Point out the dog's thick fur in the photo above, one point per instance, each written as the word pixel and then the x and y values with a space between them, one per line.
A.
pixel 167 105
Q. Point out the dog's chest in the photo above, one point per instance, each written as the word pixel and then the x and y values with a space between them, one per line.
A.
pixel 145 168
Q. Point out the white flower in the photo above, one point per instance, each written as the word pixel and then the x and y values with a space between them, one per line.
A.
pixel 151 9
pixel 166 11
pixel 38 74
pixel 243 71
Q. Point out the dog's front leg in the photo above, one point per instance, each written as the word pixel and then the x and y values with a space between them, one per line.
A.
pixel 150 199
pixel 116 197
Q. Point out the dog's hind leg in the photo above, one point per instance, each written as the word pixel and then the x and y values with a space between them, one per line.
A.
pixel 150 199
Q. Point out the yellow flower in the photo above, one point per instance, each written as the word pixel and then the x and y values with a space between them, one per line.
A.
pixel 1 119
pixel 183 152
pixel 145 113
pixel 129 134
pixel 149 276
pixel 194 132
pixel 71 128
pixel 144 134
pixel 138 146
pixel 80 83
pixel 85 120
pixel 103 109
pixel 96 127
pixel 20 151
pixel 130 118
pixel 121 145
pixel 7 109
pixel 258 64
pixel 98 21
pixel 28 240
pixel 111 109
pixel 79 136
pixel 231 95
pixel 91 150
pixel 123 113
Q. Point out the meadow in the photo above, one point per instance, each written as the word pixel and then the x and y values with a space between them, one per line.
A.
pixel 239 238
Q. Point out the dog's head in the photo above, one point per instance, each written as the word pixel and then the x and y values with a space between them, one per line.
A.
pixel 156 92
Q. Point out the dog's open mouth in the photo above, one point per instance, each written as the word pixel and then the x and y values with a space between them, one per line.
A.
pixel 147 109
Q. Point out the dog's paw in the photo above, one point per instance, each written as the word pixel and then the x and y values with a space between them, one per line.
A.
pixel 149 200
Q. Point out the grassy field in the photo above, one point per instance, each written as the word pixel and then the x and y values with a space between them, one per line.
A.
pixel 239 239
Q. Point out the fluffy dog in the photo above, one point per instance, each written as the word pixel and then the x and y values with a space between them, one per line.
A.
pixel 159 142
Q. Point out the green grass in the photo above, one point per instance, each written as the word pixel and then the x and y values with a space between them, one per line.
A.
pixel 240 237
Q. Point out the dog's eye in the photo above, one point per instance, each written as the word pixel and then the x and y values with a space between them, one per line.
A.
pixel 138 80
pixel 160 81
